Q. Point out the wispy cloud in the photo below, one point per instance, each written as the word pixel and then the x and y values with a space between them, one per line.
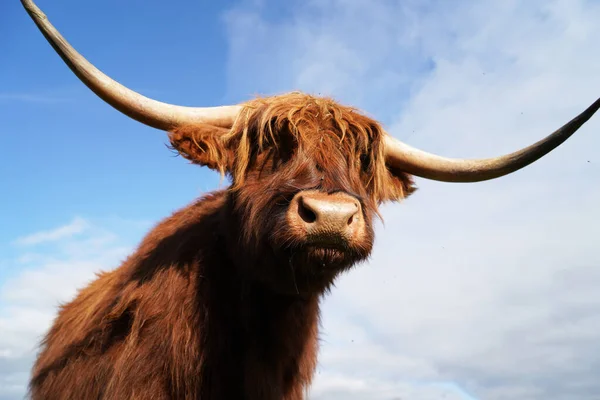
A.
pixel 66 94
pixel 77 226
pixel 32 98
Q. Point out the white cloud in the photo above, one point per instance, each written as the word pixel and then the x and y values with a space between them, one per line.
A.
pixel 78 225
pixel 338 386
pixel 492 286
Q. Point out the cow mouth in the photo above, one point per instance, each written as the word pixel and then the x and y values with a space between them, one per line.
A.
pixel 326 255
pixel 319 254
pixel 326 251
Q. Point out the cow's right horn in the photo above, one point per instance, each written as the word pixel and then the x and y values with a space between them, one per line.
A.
pixel 156 114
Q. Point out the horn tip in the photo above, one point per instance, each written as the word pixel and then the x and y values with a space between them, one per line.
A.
pixel 33 9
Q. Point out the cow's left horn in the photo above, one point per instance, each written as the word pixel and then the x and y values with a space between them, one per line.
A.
pixel 148 111
pixel 431 166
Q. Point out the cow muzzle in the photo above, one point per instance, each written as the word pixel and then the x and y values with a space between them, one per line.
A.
pixel 326 220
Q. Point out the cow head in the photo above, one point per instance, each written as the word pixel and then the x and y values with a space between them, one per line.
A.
pixel 307 173
pixel 307 177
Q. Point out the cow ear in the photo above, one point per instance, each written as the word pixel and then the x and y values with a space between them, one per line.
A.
pixel 407 182
pixel 203 145
pixel 400 185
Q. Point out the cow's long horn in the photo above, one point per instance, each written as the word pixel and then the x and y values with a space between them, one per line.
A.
pixel 148 111
pixel 431 166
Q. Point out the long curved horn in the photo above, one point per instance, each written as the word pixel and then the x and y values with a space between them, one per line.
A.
pixel 431 166
pixel 156 114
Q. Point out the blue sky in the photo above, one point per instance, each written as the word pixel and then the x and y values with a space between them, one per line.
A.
pixel 478 300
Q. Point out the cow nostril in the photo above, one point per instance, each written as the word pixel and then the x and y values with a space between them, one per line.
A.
pixel 306 213
pixel 351 219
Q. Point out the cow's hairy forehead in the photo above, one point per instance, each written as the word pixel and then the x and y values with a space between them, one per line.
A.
pixel 306 118
pixel 314 125
pixel 320 134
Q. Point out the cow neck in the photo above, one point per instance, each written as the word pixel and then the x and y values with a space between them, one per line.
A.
pixel 273 337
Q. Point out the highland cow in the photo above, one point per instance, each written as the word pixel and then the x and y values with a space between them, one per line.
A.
pixel 221 299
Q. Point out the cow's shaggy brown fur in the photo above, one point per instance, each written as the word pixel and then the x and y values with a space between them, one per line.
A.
pixel 221 300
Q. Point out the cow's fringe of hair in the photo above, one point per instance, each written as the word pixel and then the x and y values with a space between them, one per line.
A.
pixel 305 116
